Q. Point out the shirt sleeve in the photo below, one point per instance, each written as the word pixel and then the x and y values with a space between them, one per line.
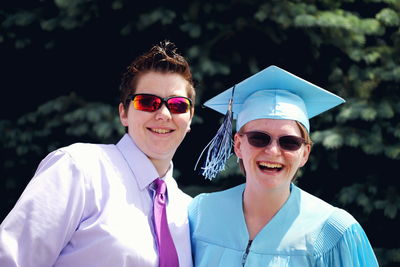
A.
pixel 352 250
pixel 46 214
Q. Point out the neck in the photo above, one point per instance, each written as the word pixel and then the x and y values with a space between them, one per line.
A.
pixel 161 166
pixel 260 206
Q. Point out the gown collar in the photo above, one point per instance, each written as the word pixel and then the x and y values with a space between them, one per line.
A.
pixel 277 226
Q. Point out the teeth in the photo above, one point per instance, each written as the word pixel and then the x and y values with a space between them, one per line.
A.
pixel 161 131
pixel 270 165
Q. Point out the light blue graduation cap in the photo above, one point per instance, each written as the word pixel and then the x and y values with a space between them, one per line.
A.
pixel 272 93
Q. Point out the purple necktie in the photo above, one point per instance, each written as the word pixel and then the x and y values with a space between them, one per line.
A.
pixel 166 248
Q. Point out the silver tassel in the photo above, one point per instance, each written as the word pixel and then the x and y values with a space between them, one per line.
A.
pixel 220 147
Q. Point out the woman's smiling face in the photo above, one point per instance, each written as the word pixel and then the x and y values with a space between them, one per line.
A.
pixel 270 167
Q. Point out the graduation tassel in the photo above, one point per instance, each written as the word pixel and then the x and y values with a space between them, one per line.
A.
pixel 220 147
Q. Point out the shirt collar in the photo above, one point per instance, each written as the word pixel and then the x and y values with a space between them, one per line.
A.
pixel 172 186
pixel 141 166
pixel 169 180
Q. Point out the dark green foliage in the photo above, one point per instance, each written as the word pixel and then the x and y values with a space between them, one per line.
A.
pixel 349 47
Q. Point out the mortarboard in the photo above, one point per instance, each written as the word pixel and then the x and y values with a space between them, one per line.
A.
pixel 272 93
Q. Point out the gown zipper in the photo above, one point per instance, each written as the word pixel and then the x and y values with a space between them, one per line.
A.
pixel 246 253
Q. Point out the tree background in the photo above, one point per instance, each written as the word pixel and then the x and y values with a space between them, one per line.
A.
pixel 61 63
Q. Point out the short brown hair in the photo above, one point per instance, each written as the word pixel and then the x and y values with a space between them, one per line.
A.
pixel 160 58
pixel 304 134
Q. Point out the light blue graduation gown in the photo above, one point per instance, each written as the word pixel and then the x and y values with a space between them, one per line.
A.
pixel 305 232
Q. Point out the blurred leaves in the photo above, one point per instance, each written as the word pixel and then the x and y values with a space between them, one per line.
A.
pixel 370 198
pixel 388 257
pixel 159 15
pixel 388 17
pixel 59 122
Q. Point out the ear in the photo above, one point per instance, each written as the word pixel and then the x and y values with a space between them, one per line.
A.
pixel 237 144
pixel 305 155
pixel 190 121
pixel 123 116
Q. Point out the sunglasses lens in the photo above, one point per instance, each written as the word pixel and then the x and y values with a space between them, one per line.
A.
pixel 146 102
pixel 290 143
pixel 258 139
pixel 178 105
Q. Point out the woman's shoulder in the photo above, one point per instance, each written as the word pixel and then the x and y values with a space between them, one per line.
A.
pixel 332 233
pixel 341 219
pixel 336 225
pixel 342 239
pixel 312 201
pixel 219 196
pixel 333 216
pixel 220 201
pixel 335 228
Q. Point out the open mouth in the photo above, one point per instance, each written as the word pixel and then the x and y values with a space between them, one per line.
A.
pixel 160 131
pixel 266 166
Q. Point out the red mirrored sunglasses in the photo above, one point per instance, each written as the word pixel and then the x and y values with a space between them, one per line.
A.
pixel 151 103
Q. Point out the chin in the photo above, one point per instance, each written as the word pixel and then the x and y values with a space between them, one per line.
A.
pixel 158 153
pixel 273 183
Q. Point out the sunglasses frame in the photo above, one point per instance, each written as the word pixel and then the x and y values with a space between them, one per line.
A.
pixel 132 97
pixel 298 139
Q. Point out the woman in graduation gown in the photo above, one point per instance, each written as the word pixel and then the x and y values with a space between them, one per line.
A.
pixel 269 221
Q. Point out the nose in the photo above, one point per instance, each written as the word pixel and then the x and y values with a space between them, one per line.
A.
pixel 163 113
pixel 273 147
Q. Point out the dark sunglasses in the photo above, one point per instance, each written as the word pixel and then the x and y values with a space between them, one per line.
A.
pixel 151 103
pixel 286 142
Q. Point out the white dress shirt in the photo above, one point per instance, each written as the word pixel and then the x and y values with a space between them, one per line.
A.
pixel 91 205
